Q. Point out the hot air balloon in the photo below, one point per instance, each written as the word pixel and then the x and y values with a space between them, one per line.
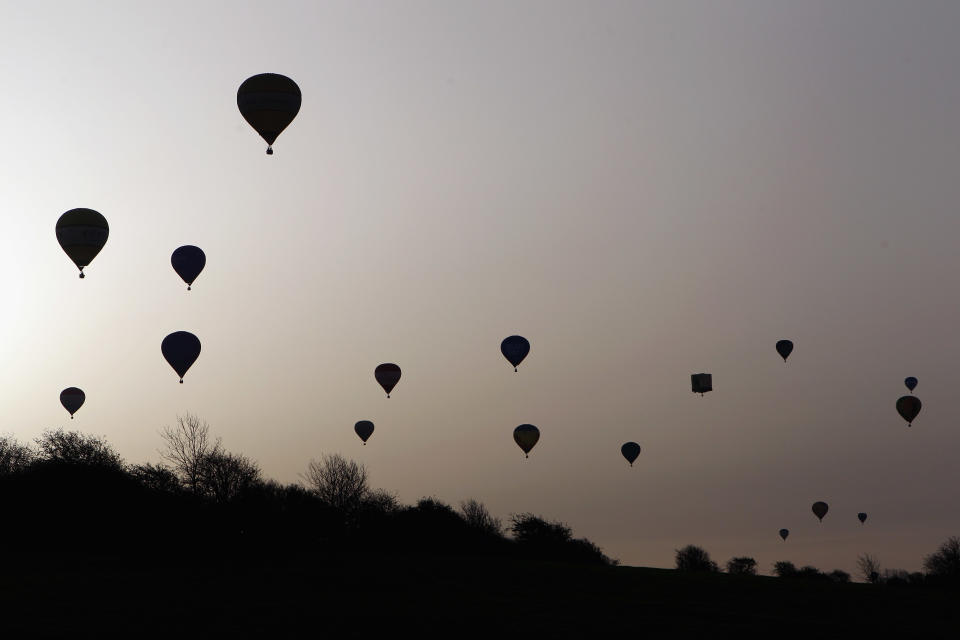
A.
pixel 181 350
pixel 526 435
pixel 515 349
pixel 820 509
pixel 188 261
pixel 269 102
pixel 908 407
pixel 910 383
pixel 72 399
pixel 701 382
pixel 364 429
pixel 784 533
pixel 630 451
pixel 82 234
pixel 862 517
pixel 784 347
pixel 388 375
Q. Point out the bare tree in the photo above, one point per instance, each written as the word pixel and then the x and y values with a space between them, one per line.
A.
pixel 14 456
pixel 188 445
pixel 225 476
pixel 477 516
pixel 339 482
pixel 869 567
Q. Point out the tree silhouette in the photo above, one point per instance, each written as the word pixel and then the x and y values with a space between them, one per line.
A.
pixel 14 457
pixel 476 515
pixel 869 568
pixel 742 566
pixel 338 482
pixel 944 563
pixel 694 558
pixel 226 476
pixel 75 448
pixel 188 446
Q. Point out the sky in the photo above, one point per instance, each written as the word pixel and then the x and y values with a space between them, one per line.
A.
pixel 644 190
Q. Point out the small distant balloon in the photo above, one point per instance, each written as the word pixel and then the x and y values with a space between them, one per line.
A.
pixel 388 375
pixel 862 517
pixel 72 399
pixel 910 383
pixel 908 407
pixel 188 261
pixel 515 349
pixel 630 451
pixel 526 435
pixel 180 349
pixel 364 429
pixel 784 533
pixel 269 102
pixel 820 510
pixel 701 382
pixel 82 234
pixel 784 347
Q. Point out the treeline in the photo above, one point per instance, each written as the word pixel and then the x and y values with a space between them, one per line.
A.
pixel 941 568
pixel 72 493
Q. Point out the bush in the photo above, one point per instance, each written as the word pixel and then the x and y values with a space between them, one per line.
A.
pixel 693 558
pixel 839 576
pixel 75 448
pixel 477 516
pixel 553 540
pixel 944 564
pixel 784 569
pixel 14 457
pixel 742 566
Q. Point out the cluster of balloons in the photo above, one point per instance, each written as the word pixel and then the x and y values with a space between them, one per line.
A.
pixel 820 509
pixel 909 406
pixel 269 102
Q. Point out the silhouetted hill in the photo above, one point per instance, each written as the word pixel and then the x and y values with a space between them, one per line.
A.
pixel 355 594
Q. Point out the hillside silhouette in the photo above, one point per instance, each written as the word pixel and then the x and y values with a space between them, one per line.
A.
pixel 203 544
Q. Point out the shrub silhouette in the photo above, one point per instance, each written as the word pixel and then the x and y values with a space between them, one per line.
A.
pixel 476 515
pixel 869 568
pixel 75 448
pixel 540 538
pixel 338 482
pixel 784 569
pixel 694 558
pixel 14 457
pixel 742 566
pixel 943 565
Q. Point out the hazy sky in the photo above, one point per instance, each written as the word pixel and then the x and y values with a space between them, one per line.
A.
pixel 643 189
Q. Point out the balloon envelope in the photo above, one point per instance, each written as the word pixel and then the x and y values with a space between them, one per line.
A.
pixel 784 347
pixel 388 375
pixel 72 399
pixel 269 102
pixel 701 382
pixel 515 349
pixel 526 436
pixel 908 407
pixel 188 261
pixel 784 533
pixel 630 451
pixel 862 517
pixel 364 429
pixel 181 350
pixel 82 234
pixel 910 383
pixel 820 509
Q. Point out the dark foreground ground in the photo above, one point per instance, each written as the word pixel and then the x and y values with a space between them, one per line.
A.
pixel 366 595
